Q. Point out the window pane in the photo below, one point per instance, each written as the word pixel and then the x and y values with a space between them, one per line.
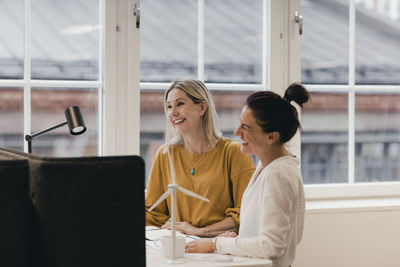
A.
pixel 65 39
pixel 48 106
pixel 168 40
pixel 229 105
pixel 377 137
pixel 233 41
pixel 324 156
pixel 12 118
pixel 152 125
pixel 377 42
pixel 325 42
pixel 11 39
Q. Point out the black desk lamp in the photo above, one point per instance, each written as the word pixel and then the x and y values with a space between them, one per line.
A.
pixel 75 123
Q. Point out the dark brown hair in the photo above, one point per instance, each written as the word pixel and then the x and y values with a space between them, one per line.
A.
pixel 275 114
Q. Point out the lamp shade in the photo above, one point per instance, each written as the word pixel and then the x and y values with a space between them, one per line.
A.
pixel 75 121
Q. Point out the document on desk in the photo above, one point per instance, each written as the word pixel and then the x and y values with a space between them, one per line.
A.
pixel 155 233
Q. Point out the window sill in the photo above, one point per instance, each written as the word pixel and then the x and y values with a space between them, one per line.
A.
pixel 361 197
pixel 352 191
pixel 352 205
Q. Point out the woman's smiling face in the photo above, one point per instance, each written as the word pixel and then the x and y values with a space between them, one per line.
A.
pixel 183 113
pixel 251 134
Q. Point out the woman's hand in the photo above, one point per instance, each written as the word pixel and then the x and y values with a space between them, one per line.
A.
pixel 228 234
pixel 183 227
pixel 202 245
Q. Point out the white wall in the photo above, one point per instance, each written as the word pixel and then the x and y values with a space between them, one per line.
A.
pixel 341 238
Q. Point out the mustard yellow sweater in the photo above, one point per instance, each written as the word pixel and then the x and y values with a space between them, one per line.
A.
pixel 222 176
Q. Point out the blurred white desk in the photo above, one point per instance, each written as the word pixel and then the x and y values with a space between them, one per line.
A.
pixel 154 257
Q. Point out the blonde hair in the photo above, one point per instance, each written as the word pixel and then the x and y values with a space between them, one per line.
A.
pixel 197 92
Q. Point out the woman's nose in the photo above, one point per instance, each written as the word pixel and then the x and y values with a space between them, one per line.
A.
pixel 237 132
pixel 174 111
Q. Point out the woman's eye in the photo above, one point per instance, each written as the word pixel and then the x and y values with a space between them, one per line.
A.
pixel 180 103
pixel 169 107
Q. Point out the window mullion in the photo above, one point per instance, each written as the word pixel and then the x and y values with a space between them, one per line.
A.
pixel 27 71
pixel 200 40
pixel 100 91
pixel 351 99
pixel 265 48
pixel 351 137
pixel 63 83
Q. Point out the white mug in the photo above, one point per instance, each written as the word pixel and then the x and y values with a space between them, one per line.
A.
pixel 180 242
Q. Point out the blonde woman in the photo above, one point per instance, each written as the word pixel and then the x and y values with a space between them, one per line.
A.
pixel 205 163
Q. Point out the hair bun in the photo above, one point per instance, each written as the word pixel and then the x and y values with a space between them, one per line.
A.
pixel 297 93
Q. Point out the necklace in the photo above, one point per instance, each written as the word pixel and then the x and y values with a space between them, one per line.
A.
pixel 190 163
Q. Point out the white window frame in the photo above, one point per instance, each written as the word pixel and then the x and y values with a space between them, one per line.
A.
pixel 119 103
pixel 121 73
pixel 27 83
pixel 285 42
pixel 276 78
pixel 264 85
pixel 118 92
pixel 280 39
pixel 285 59
pixel 350 190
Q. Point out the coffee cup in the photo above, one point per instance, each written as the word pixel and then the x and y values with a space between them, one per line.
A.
pixel 180 243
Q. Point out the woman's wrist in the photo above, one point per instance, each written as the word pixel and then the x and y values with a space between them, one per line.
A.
pixel 214 244
pixel 205 232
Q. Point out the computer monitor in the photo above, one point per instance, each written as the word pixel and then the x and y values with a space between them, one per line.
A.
pixel 14 211
pixel 87 211
pixel 83 211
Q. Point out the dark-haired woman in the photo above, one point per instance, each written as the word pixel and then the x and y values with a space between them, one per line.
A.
pixel 273 206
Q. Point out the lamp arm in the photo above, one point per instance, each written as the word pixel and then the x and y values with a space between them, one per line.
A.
pixel 31 137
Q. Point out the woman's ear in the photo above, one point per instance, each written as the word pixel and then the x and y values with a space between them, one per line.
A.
pixel 203 107
pixel 272 138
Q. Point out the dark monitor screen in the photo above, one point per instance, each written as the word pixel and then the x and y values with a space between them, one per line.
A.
pixel 85 211
pixel 14 211
pixel 88 211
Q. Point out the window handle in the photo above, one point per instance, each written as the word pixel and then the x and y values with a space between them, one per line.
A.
pixel 136 12
pixel 299 19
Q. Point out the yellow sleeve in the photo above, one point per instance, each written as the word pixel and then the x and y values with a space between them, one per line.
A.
pixel 241 169
pixel 155 188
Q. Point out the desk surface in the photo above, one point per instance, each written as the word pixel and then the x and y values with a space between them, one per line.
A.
pixel 155 258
